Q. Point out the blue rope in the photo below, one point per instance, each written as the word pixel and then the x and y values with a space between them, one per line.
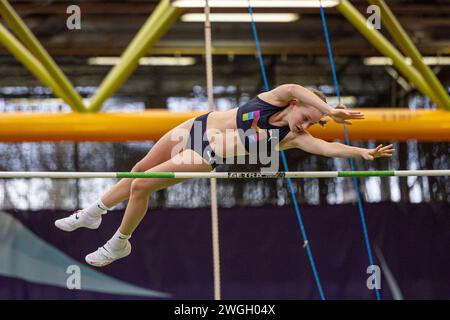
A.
pixel 347 141
pixel 286 168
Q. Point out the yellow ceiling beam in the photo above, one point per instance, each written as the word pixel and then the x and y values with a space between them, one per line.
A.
pixel 387 49
pixel 407 46
pixel 31 63
pixel 154 28
pixel 32 43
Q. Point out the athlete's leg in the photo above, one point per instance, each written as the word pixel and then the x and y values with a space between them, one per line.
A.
pixel 141 189
pixel 162 151
pixel 91 216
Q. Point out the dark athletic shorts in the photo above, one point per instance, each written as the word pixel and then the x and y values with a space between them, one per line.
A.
pixel 200 144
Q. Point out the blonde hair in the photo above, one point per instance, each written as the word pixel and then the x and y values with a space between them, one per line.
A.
pixel 318 93
pixel 325 119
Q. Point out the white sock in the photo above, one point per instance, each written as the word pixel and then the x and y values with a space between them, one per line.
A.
pixel 118 241
pixel 96 209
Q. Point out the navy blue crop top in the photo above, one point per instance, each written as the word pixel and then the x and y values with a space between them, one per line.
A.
pixel 253 119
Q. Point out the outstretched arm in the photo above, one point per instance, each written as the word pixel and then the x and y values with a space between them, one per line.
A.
pixel 317 146
pixel 287 92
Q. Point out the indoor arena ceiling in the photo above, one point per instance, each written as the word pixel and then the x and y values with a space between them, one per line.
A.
pixel 295 51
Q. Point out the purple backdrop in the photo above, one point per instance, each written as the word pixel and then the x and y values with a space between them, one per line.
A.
pixel 261 252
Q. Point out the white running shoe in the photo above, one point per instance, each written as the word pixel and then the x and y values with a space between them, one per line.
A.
pixel 105 255
pixel 78 220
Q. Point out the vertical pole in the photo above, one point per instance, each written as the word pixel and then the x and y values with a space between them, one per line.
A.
pixel 213 181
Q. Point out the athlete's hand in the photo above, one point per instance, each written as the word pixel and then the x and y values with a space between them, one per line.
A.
pixel 341 114
pixel 378 152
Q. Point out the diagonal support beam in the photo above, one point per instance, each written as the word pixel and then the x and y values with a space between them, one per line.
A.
pixel 387 49
pixel 408 48
pixel 72 98
pixel 154 28
pixel 30 62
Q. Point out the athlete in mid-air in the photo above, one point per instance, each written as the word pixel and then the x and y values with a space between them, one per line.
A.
pixel 284 113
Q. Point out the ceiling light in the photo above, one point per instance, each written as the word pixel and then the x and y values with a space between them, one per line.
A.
pixel 241 17
pixel 347 100
pixel 255 3
pixel 385 61
pixel 145 61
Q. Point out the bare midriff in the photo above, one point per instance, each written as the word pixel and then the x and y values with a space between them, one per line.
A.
pixel 223 135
